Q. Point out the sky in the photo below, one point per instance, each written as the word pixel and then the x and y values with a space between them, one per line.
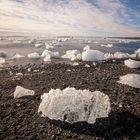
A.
pixel 71 17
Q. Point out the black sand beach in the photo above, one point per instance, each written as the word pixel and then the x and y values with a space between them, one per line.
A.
pixel 19 118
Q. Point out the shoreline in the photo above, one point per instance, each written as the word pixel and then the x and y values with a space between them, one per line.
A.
pixel 19 118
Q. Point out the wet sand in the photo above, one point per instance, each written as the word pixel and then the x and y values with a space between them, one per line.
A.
pixel 19 118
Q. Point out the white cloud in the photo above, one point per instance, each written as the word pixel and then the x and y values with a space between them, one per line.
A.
pixel 73 17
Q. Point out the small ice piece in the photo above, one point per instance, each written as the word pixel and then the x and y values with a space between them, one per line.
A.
pixel 88 66
pixel 132 80
pixel 18 56
pixel 19 74
pixel 72 105
pixel 21 92
pixel 68 70
pixel 89 41
pixel 107 45
pixel 132 63
pixel 94 63
pixel 29 69
pixel 2 60
pixel 75 64
pixel 92 55
pixel 47 58
pixel 35 70
pixel 86 48
pixel 34 55
pixel 48 46
pixel 73 55
pixel 38 45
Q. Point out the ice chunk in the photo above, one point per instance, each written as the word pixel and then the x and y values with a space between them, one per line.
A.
pixel 121 55
pixel 108 55
pixel 32 41
pixel 86 48
pixel 74 105
pixel 132 63
pixel 37 45
pixel 48 46
pixel 92 55
pixel 2 60
pixel 47 58
pixel 21 92
pixel 17 56
pixel 51 54
pixel 137 52
pixel 89 41
pixel 132 80
pixel 87 66
pixel 34 55
pixel 72 55
pixel 75 64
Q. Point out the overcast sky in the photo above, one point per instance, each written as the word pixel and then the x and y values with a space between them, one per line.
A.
pixel 71 17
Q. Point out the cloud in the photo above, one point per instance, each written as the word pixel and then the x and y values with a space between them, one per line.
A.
pixel 69 17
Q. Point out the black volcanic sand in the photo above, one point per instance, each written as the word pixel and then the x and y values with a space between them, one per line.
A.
pixel 19 118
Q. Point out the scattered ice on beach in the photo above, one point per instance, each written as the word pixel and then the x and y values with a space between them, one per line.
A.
pixel 51 54
pixel 68 70
pixel 37 45
pixel 72 55
pixel 94 63
pixel 62 39
pixel 18 56
pixel 132 63
pixel 29 69
pixel 72 105
pixel 132 80
pixel 121 55
pixel 107 45
pixel 86 48
pixel 92 55
pixel 48 46
pixel 34 55
pixel 21 92
pixel 2 60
